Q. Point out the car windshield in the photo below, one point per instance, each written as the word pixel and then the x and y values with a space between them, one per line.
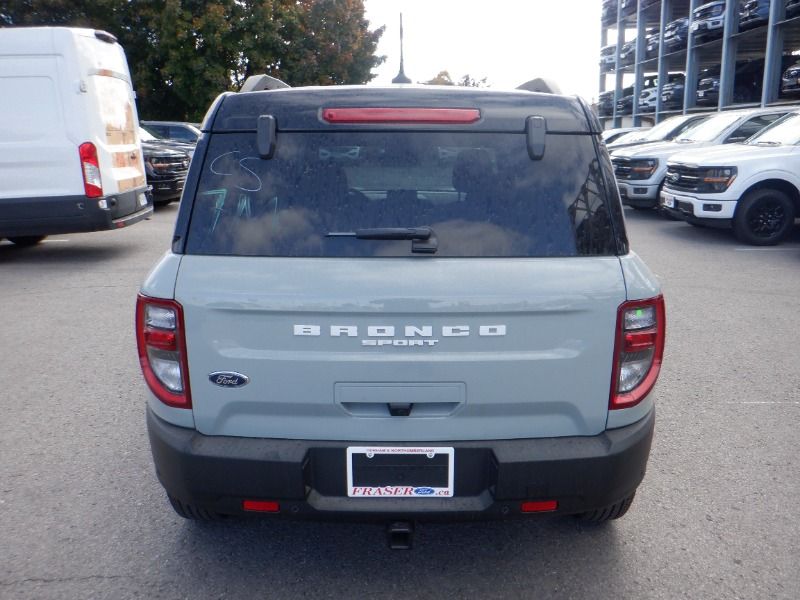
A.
pixel 146 136
pixel 785 132
pixel 711 129
pixel 632 136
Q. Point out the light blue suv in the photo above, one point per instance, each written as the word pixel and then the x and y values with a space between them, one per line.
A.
pixel 400 304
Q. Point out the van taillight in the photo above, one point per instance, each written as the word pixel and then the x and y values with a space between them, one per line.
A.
pixel 162 350
pixel 638 350
pixel 90 166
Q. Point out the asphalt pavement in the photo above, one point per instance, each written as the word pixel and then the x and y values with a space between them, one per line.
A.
pixel 83 516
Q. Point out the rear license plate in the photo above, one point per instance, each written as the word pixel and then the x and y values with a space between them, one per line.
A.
pixel 667 200
pixel 399 472
pixel 142 199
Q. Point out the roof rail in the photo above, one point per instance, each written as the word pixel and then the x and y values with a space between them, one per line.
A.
pixel 256 83
pixel 542 85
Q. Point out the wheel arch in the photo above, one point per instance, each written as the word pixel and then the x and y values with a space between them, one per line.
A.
pixel 782 185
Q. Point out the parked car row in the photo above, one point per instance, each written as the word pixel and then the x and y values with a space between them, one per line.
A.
pixel 707 24
pixel 747 87
pixel 736 169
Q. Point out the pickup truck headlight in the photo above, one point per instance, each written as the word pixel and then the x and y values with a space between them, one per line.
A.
pixel 644 168
pixel 716 179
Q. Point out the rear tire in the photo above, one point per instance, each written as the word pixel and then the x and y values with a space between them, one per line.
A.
pixel 192 512
pixel 764 217
pixel 27 240
pixel 609 513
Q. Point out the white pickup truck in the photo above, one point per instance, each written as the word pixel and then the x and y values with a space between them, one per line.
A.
pixel 751 187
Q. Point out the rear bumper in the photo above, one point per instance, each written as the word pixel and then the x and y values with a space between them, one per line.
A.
pixel 71 214
pixel 308 478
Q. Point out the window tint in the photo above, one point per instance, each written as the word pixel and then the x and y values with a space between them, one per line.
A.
pixel 751 127
pixel 480 193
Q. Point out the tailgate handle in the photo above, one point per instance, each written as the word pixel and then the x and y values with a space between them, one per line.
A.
pixel 400 410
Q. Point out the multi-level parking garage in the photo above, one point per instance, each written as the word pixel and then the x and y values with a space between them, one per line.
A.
pixel 689 55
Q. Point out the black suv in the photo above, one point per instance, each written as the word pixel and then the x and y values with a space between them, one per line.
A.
pixel 166 168
pixel 753 13
pixel 676 34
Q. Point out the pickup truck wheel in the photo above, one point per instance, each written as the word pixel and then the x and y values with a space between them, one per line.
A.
pixel 27 240
pixel 763 217
pixel 192 512
pixel 609 513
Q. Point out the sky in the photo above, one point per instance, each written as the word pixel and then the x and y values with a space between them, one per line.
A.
pixel 506 41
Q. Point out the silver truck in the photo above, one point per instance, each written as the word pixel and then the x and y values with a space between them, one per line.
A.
pixel 400 304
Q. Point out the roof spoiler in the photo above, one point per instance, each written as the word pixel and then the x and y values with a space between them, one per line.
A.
pixel 541 85
pixel 257 83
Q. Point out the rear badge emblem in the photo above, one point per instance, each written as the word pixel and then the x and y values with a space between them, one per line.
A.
pixel 228 379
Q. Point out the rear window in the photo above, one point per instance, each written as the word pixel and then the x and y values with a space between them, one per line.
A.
pixel 479 193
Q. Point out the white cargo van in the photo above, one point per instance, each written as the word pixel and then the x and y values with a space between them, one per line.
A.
pixel 70 159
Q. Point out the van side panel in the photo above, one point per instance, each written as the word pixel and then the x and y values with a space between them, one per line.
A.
pixel 50 104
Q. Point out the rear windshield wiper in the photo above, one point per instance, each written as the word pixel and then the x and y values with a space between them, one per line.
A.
pixel 423 238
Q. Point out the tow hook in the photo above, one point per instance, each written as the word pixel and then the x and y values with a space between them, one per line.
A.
pixel 399 534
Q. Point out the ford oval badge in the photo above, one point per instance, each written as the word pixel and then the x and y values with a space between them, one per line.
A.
pixel 423 491
pixel 228 379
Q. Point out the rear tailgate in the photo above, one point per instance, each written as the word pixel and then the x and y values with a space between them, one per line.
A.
pixel 456 349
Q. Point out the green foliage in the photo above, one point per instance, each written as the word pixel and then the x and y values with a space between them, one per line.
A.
pixel 183 53
pixel 444 78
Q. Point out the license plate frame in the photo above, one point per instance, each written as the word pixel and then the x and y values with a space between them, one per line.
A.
pixel 667 200
pixel 400 471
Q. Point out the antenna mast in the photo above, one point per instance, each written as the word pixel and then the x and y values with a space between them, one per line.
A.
pixel 401 75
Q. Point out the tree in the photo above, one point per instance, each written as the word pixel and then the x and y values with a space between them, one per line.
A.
pixel 443 78
pixel 182 53
pixel 467 81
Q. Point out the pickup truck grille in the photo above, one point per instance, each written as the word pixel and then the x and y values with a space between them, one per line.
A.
pixel 681 177
pixel 172 166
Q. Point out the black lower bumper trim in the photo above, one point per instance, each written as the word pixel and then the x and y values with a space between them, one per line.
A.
pixel 690 218
pixel 308 478
pixel 70 214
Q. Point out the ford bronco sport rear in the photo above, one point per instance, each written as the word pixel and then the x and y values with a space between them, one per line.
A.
pixel 406 303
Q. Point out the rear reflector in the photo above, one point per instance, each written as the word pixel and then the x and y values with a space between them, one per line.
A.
pixel 261 506
pixel 402 115
pixel 539 506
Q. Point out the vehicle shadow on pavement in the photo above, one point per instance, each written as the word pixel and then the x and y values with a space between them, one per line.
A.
pixel 60 254
pixel 479 559
pixel 683 231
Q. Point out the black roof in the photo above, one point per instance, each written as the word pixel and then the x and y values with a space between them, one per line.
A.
pixel 299 109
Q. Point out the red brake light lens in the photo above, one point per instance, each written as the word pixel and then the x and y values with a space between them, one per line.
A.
pixel 90 167
pixel 638 351
pixel 261 506
pixel 435 116
pixel 162 350
pixel 539 506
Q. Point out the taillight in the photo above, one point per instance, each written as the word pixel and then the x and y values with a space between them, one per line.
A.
pixel 638 351
pixel 162 350
pixel 442 116
pixel 90 166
